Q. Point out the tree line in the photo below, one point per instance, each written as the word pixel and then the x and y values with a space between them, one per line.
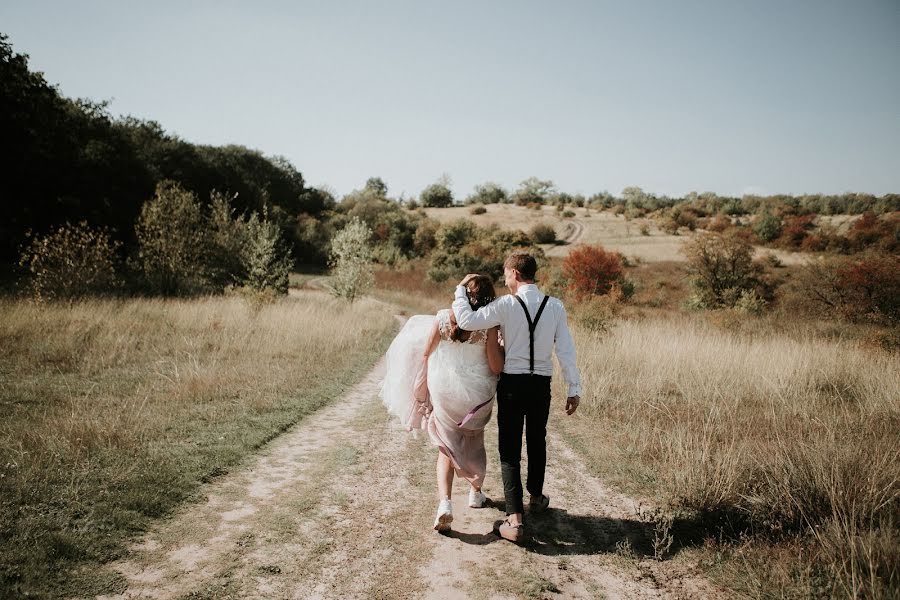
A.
pixel 66 160
pixel 76 178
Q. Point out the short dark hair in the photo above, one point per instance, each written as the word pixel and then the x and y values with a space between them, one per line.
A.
pixel 522 262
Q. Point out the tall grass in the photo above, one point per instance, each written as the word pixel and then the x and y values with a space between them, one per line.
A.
pixel 115 411
pixel 410 288
pixel 786 443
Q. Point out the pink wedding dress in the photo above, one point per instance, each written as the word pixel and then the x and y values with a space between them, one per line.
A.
pixel 452 401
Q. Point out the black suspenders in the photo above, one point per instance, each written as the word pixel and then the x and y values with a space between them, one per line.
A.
pixel 531 326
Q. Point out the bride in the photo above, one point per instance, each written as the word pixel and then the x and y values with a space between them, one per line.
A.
pixel 442 379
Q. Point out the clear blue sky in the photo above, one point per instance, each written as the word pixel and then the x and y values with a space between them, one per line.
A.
pixel 792 96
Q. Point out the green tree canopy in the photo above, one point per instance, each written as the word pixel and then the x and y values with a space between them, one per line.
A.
pixel 436 195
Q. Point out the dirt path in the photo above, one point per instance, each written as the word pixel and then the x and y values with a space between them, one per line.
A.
pixel 574 231
pixel 341 507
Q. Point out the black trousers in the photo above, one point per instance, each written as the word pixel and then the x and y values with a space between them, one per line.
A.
pixel 522 401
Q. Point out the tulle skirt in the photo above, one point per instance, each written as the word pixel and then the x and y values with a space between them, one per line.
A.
pixel 452 399
pixel 404 391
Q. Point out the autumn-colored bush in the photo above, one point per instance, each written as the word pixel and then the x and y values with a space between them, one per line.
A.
pixel 864 288
pixel 796 230
pixel 871 231
pixel 669 225
pixel 718 223
pixel 873 283
pixel 813 243
pixel 685 217
pixel 592 271
pixel 866 230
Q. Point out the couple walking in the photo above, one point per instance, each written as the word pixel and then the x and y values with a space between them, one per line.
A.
pixel 443 372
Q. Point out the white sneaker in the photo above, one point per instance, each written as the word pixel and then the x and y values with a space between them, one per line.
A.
pixel 444 516
pixel 476 499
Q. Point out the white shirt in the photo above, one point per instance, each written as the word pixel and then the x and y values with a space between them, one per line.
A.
pixel 552 328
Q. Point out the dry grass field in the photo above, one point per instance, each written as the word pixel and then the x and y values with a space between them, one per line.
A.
pixel 114 412
pixel 588 226
pixel 770 444
pixel 795 441
pixel 767 447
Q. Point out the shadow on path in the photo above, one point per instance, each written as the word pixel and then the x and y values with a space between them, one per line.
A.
pixel 556 532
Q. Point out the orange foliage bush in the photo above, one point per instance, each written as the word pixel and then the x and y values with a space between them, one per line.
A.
pixel 865 288
pixel 866 230
pixel 795 231
pixel 875 283
pixel 591 270
pixel 719 224
pixel 813 243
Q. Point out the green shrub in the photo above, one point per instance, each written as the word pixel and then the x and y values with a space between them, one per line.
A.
pixel 488 193
pixel 265 260
pixel 723 269
pixel 567 214
pixel 543 233
pixel 596 313
pixel 463 247
pixel 750 302
pixel 71 262
pixel 351 261
pixel 227 240
pixel 477 210
pixel 624 288
pixel 533 191
pixel 452 236
pixel 424 239
pixel 174 244
pixel 436 195
pixel 767 227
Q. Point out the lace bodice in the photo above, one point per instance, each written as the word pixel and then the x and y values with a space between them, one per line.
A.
pixel 476 337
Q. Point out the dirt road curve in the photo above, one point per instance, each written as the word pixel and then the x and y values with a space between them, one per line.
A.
pixel 574 231
pixel 341 507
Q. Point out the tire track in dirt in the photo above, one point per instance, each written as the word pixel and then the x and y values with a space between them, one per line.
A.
pixel 574 231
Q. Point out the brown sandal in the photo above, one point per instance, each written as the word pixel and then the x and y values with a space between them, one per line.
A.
pixel 508 531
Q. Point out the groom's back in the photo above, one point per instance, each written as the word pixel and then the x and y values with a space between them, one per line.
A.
pixel 516 336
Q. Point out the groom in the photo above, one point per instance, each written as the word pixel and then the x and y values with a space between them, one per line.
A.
pixel 531 323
